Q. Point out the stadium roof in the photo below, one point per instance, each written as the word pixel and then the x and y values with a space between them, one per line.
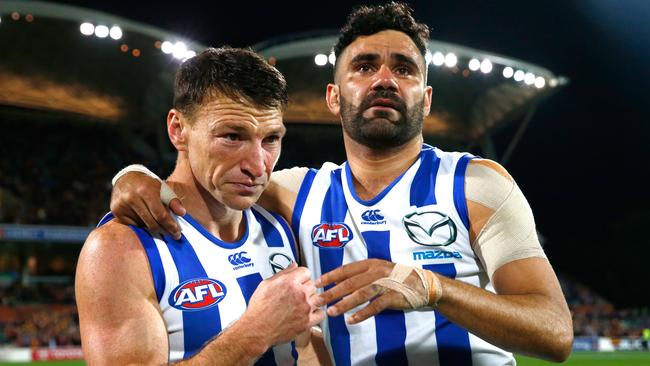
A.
pixel 49 65
pixel 466 104
pixel 116 72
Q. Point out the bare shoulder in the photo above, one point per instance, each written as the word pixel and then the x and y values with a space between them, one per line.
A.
pixel 112 256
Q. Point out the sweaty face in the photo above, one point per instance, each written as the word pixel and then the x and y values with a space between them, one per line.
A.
pixel 382 92
pixel 232 148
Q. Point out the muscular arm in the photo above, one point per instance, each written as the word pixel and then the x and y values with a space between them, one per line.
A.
pixel 121 322
pixel 528 314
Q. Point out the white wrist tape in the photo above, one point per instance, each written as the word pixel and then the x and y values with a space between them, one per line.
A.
pixel 428 294
pixel 134 168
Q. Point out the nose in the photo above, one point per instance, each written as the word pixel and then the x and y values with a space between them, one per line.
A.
pixel 253 163
pixel 384 79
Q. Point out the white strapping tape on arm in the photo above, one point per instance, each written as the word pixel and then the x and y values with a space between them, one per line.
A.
pixel 166 193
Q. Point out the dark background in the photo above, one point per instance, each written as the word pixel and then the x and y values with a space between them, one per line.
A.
pixel 582 161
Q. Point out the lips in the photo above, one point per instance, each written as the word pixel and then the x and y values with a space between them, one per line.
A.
pixel 384 102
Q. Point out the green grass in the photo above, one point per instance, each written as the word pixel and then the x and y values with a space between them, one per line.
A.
pixel 594 359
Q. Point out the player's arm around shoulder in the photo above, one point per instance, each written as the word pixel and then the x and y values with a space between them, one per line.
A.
pixel 119 316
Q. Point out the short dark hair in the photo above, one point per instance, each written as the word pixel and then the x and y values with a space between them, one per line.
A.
pixel 367 20
pixel 239 74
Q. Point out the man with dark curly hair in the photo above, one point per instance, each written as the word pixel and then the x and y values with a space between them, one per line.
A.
pixel 425 256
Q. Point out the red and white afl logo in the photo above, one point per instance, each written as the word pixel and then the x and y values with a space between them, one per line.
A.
pixel 331 235
pixel 197 294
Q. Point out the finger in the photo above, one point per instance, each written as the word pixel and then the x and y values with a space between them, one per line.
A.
pixel 348 286
pixel 357 298
pixel 375 307
pixel 342 272
pixel 164 219
pixel 144 214
pixel 316 317
pixel 177 207
pixel 301 275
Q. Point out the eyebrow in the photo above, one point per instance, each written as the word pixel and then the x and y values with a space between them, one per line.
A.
pixel 396 57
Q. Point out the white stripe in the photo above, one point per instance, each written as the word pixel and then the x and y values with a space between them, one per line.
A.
pixel 173 317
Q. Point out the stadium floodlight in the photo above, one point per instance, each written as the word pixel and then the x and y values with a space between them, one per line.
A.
pixel 332 58
pixel 167 47
pixel 320 59
pixel 508 72
pixel 179 49
pixel 539 82
pixel 87 29
pixel 553 83
pixel 427 57
pixel 188 55
pixel 486 66
pixel 529 79
pixel 451 60
pixel 438 59
pixel 474 64
pixel 101 31
pixel 115 32
pixel 519 75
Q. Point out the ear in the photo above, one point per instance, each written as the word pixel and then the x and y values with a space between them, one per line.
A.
pixel 333 99
pixel 428 92
pixel 177 129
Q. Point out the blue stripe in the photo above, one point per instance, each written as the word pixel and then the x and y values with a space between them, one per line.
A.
pixel 271 234
pixel 198 326
pixel 334 210
pixel 108 217
pixel 305 187
pixel 459 189
pixel 423 187
pixel 248 284
pixel 157 270
pixel 453 341
pixel 390 324
pixel 288 233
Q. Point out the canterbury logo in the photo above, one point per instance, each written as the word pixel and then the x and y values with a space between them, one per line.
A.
pixel 238 258
pixel 372 215
pixel 430 228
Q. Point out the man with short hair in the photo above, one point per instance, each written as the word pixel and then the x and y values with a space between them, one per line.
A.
pixel 210 296
pixel 439 248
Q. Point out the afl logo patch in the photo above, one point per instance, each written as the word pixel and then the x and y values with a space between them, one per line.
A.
pixel 197 294
pixel 331 235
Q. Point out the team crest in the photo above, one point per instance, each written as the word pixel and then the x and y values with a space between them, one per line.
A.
pixel 331 235
pixel 197 294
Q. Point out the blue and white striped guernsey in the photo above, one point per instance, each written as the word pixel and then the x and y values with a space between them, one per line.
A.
pixel 204 284
pixel 419 220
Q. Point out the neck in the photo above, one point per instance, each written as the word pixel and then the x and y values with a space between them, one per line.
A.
pixel 374 169
pixel 221 221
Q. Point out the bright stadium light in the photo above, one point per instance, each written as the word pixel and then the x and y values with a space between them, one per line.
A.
pixel 320 59
pixel 188 55
pixel 539 82
pixel 553 83
pixel 101 31
pixel 438 59
pixel 486 66
pixel 332 58
pixel 179 49
pixel 451 60
pixel 87 29
pixel 427 57
pixel 115 32
pixel 474 64
pixel 519 75
pixel 508 72
pixel 529 79
pixel 167 47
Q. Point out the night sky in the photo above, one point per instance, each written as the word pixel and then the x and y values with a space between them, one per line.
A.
pixel 582 161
